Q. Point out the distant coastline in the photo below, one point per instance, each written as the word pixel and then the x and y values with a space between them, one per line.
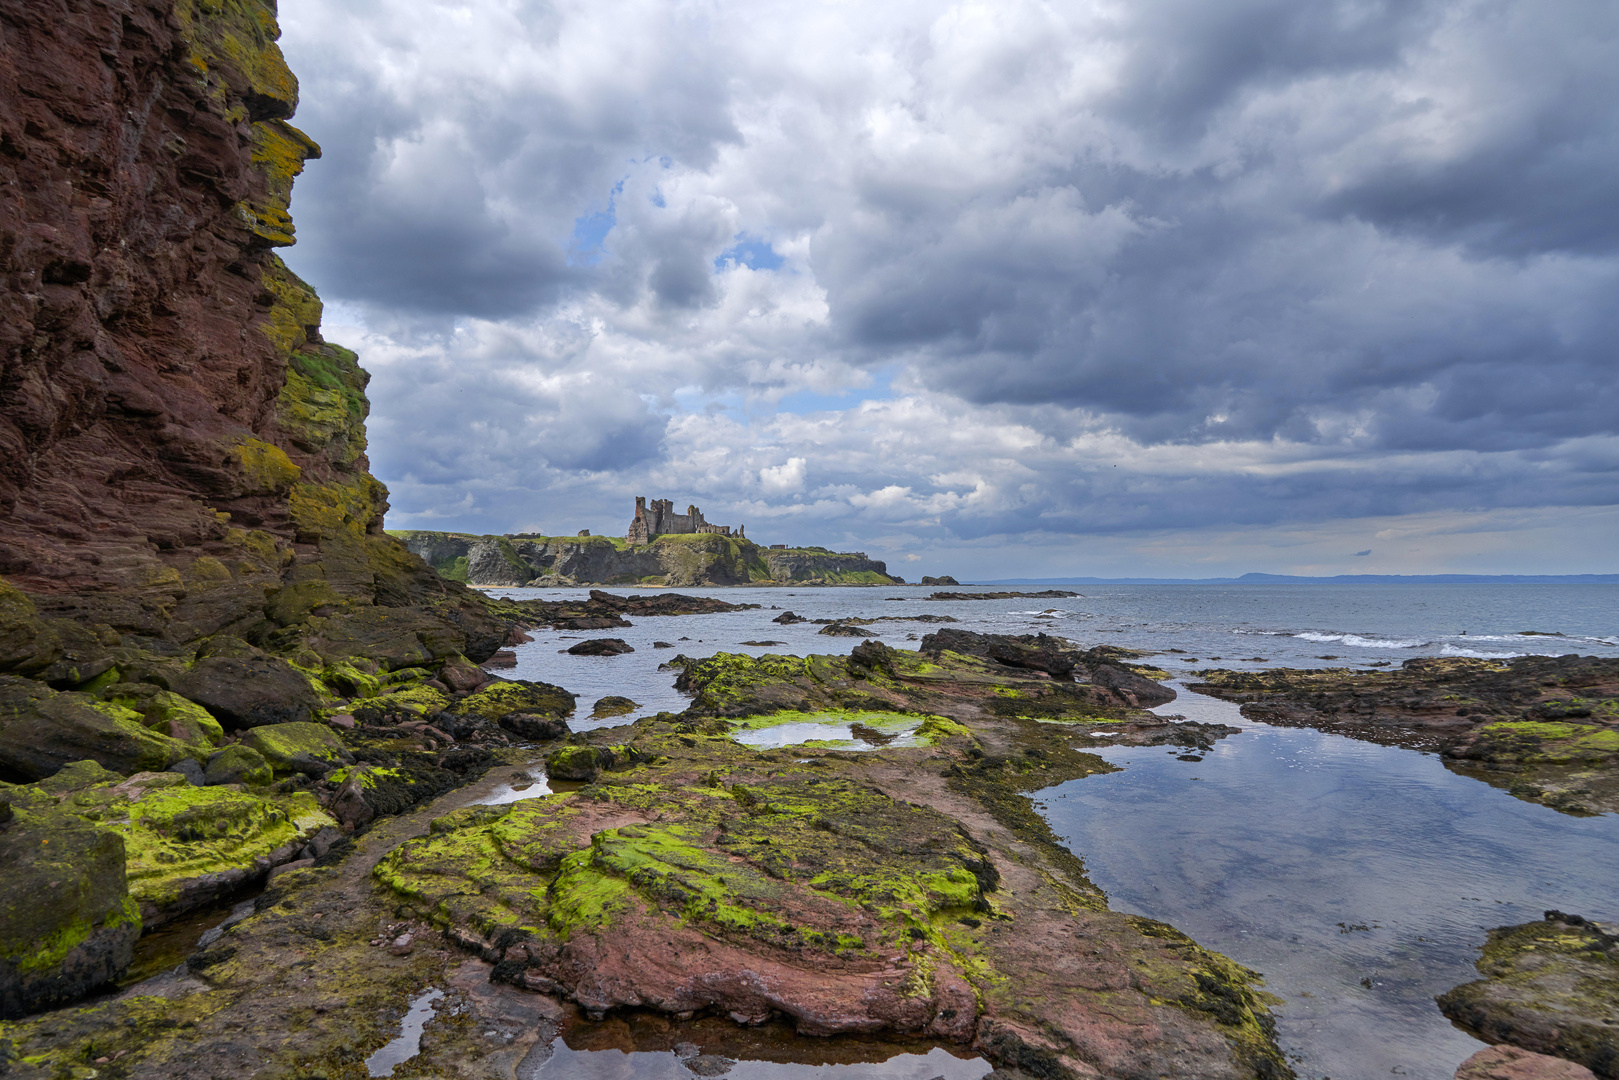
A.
pixel 1340 579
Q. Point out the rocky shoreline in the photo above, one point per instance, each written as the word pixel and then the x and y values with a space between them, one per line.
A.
pixel 1544 728
pixel 906 892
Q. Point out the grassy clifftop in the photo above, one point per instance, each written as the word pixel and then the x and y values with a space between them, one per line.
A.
pixel 680 560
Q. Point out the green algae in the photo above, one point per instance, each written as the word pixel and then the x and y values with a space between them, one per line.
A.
pixel 498 699
pixel 297 747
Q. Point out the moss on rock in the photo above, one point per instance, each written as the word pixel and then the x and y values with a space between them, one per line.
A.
pixel 306 748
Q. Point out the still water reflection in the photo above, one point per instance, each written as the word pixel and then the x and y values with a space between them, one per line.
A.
pixel 1358 878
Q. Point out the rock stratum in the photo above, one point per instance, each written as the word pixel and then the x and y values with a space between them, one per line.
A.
pixel 197 593
pixel 672 560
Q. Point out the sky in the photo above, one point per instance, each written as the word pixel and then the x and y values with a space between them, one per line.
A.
pixel 1157 287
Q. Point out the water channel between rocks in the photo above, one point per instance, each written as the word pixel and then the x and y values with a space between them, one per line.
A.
pixel 1359 879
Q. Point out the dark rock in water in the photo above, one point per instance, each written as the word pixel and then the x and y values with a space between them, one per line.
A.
pixel 1034 652
pixel 589 622
pixel 787 618
pixel 708 1064
pixel 662 645
pixel 238 764
pixel 505 658
pixel 42 730
pixel 245 693
pixel 944 580
pixel 534 727
pixel 70 925
pixel 1047 594
pixel 311 749
pixel 613 705
pixel 601 647
pixel 1551 987
pixel 763 644
pixel 843 629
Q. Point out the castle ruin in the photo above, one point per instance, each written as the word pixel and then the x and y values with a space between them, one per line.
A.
pixel 660 519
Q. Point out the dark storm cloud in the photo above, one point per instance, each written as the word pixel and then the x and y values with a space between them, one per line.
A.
pixel 1241 262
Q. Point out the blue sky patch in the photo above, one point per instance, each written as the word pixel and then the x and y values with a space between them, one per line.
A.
pixel 754 254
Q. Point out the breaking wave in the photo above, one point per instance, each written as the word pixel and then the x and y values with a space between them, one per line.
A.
pixel 1358 642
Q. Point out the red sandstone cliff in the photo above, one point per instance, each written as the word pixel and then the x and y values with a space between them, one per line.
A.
pixel 180 452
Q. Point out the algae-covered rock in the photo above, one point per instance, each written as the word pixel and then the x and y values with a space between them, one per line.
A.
pixel 69 923
pixel 237 764
pixel 613 705
pixel 312 749
pixel 501 697
pixel 245 692
pixel 1551 987
pixel 577 762
pixel 365 792
pixel 168 713
pixel 535 728
pixel 42 729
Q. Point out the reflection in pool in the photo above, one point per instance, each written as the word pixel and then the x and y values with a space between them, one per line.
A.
pixel 1359 879
pixel 686 1062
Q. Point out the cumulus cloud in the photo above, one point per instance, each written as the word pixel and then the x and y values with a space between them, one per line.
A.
pixel 931 275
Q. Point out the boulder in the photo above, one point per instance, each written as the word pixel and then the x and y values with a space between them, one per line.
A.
pixel 535 728
pixel 577 762
pixel 246 692
pixel 463 676
pixel 611 646
pixel 1551 987
pixel 312 749
pixel 237 764
pixel 168 713
pixel 1512 1063
pixel 70 923
pixel 841 629
pixel 787 618
pixel 502 697
pixel 613 705
pixel 42 729
pixel 192 770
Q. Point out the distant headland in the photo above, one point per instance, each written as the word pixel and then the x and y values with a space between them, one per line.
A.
pixel 660 547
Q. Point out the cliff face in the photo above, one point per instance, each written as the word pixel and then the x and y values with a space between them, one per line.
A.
pixel 179 449
pixel 678 560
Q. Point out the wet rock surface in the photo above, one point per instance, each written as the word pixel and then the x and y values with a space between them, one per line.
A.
pixel 1551 987
pixel 1544 728
pixel 1512 1063
pixel 601 647
pixel 1030 676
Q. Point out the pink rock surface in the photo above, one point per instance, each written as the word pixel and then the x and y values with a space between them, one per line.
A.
pixel 1511 1063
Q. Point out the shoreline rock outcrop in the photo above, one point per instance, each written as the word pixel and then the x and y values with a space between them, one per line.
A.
pixel 1550 987
pixel 1545 728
